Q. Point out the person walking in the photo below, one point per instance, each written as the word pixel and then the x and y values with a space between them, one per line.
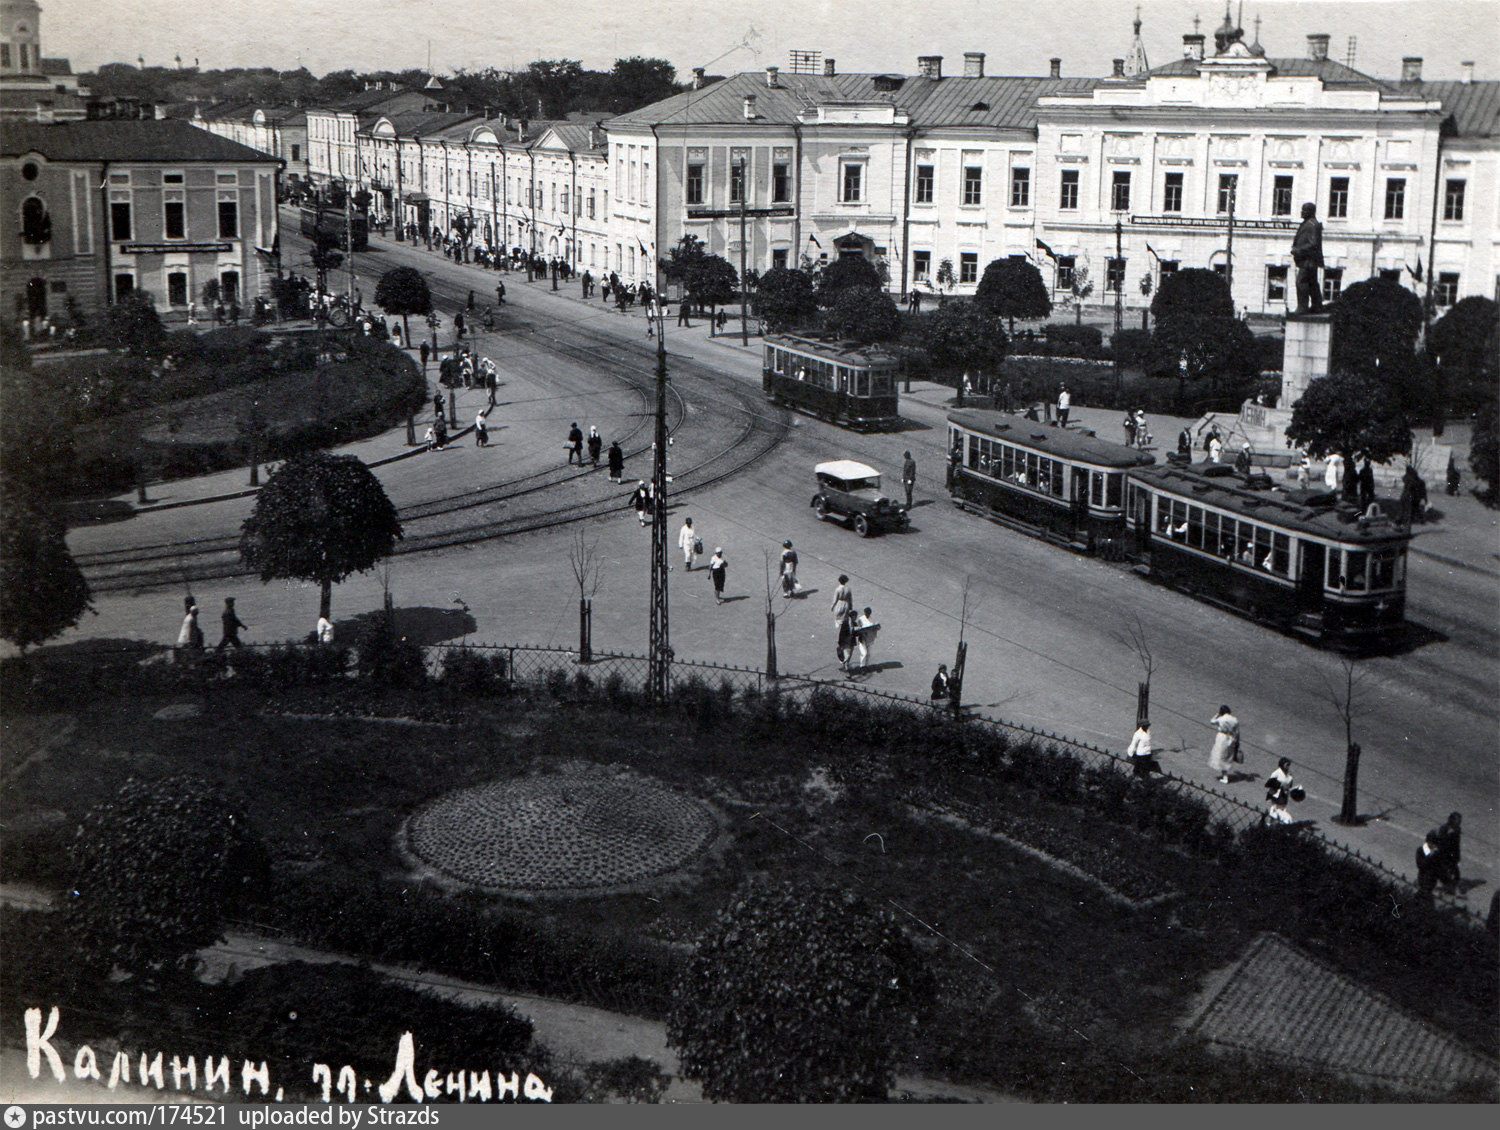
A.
pixel 1333 471
pixel 1226 747
pixel 908 476
pixel 717 568
pixel 687 541
pixel 1064 405
pixel 481 429
pixel 324 631
pixel 1304 472
pixel 1215 447
pixel 1279 787
pixel 1128 423
pixel 190 637
pixel 575 444
pixel 422 350
pixel 1242 461
pixel 1429 866
pixel 231 624
pixel 458 325
pixel 843 615
pixel 499 293
pixel 1448 839
pixel 616 460
pixel 789 586
pixel 640 500
pixel 684 308
pixel 940 683
pixel 1185 445
pixel 1366 482
pixel 866 628
pixel 1142 435
pixel 596 445
pixel 1142 762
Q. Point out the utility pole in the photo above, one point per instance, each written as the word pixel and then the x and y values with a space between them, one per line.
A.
pixel 1229 249
pixel 1117 268
pixel 349 238
pixel 659 658
pixel 744 304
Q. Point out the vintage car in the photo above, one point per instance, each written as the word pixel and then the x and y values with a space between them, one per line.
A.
pixel 851 491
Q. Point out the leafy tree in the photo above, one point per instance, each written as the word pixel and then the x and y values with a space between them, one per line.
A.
pixel 1082 286
pixel 556 84
pixel 1196 327
pixel 1348 413
pixel 37 455
pixel 1484 452
pixel 865 313
pixel 325 256
pixel 404 291
pixel 637 82
pixel 712 281
pixel 362 200
pixel 42 590
pixel 1466 342
pixel 964 335
pixel 1013 288
pixel 784 297
pixel 945 276
pixel 687 256
pixel 320 517
pixel 798 996
pixel 843 273
pixel 1374 326
pixel 156 872
pixel 132 324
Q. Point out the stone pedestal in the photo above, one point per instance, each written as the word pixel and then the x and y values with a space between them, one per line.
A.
pixel 1306 355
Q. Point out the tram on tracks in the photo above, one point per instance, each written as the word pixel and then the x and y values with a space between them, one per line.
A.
pixel 1064 485
pixel 1304 562
pixel 843 382
pixel 341 229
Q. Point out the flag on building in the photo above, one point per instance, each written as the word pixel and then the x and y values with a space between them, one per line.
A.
pixel 642 246
pixel 1050 253
pixel 814 241
pixel 1415 272
pixel 1154 255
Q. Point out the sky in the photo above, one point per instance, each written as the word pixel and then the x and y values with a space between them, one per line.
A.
pixel 1017 36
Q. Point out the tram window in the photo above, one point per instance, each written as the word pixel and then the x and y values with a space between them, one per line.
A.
pixel 861 382
pixel 1354 568
pixel 1383 569
pixel 1281 555
pixel 1058 475
pixel 1008 461
pixel 1335 572
pixel 1164 515
pixel 1195 526
pixel 1263 547
pixel 1114 485
pixel 1096 488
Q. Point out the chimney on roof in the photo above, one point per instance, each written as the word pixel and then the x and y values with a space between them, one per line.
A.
pixel 1119 68
pixel 930 66
pixel 594 139
pixel 698 78
pixel 771 73
pixel 1192 46
pixel 749 107
pixel 1411 69
pixel 1056 67
pixel 828 68
pixel 973 64
pixel 1317 47
pixel 1467 76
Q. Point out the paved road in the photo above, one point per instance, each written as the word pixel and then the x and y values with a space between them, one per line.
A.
pixel 1043 625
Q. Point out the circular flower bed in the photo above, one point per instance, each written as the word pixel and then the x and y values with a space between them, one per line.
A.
pixel 558 833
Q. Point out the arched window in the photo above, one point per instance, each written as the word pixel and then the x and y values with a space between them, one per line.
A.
pixel 36 224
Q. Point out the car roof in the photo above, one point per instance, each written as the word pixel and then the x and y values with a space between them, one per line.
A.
pixel 846 469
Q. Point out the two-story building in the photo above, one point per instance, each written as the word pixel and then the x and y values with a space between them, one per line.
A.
pixel 332 151
pixel 110 207
pixel 280 131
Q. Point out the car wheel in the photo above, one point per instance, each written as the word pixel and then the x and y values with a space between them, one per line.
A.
pixel 861 525
pixel 820 504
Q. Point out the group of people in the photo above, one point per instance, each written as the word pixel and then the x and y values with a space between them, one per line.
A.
pixel 1136 432
pixel 615 459
pixel 856 630
pixel 1438 856
pixel 190 637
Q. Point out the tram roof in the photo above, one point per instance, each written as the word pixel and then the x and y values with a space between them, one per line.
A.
pixel 1311 512
pixel 1081 446
pixel 850 352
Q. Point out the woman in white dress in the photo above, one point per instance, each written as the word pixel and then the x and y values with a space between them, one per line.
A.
pixel 1226 743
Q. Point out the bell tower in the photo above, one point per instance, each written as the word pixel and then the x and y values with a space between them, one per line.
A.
pixel 20 37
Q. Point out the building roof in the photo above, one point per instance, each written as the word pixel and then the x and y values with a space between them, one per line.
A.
pixel 1061 443
pixel 1331 72
pixel 1472 107
pixel 426 123
pixel 125 140
pixel 997 103
pixel 56 67
pixel 577 137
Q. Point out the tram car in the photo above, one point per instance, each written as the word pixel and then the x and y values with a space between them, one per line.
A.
pixel 1300 561
pixel 333 223
pixel 1065 485
pixel 845 383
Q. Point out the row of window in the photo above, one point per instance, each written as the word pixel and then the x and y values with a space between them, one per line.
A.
pixel 848 379
pixel 177 281
pixel 173 218
pixel 781 182
pixel 1282 194
pixel 1019 466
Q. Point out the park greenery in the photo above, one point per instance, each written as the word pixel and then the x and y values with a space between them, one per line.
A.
pixel 319 518
pixel 784 298
pixel 404 291
pixel 1012 288
pixel 42 591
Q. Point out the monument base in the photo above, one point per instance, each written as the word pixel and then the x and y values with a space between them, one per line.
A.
pixel 1305 358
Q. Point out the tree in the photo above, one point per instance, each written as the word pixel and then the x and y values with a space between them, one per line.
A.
pixel 325 256
pixel 1081 287
pixel 1348 413
pixel 637 82
pixel 798 996
pixel 132 324
pixel 865 313
pixel 362 200
pixel 1013 288
pixel 843 273
pixel 320 517
pixel 964 335
pixel 712 281
pixel 684 258
pixel 784 298
pixel 1196 328
pixel 555 83
pixel 156 871
pixel 945 277
pixel 42 590
pixel 1374 326
pixel 404 291
pixel 1466 343
pixel 1484 452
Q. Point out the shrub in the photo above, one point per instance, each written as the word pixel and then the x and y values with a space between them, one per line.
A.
pixel 156 870
pixel 474 672
pixel 630 1078
pixel 1075 340
pixel 387 660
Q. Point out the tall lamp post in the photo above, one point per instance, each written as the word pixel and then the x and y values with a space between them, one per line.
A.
pixel 659 659
pixel 744 306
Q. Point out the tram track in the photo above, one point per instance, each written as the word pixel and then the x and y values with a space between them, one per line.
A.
pixel 753 433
